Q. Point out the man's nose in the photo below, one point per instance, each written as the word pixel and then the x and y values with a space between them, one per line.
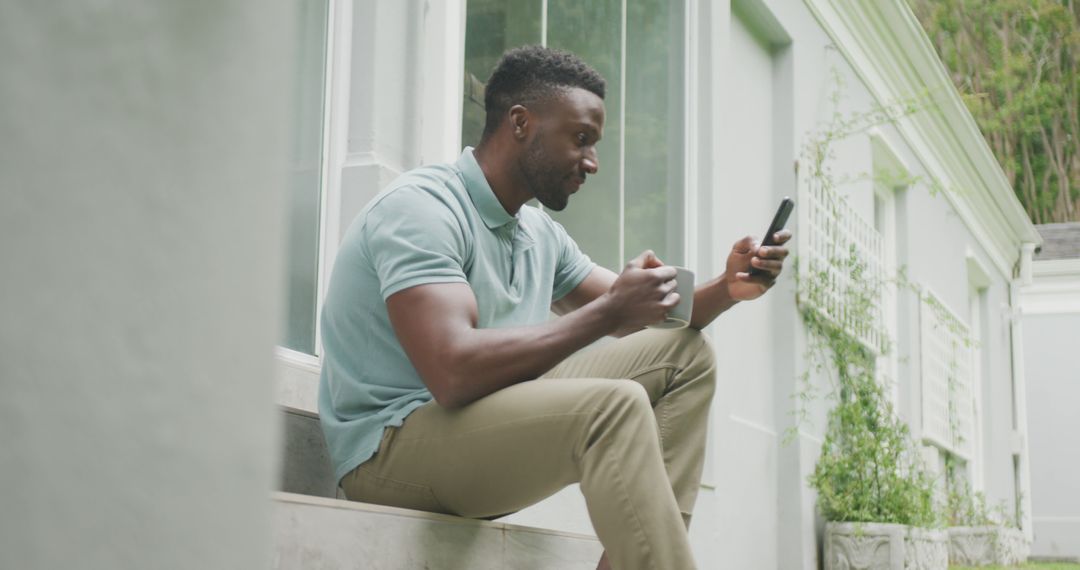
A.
pixel 590 164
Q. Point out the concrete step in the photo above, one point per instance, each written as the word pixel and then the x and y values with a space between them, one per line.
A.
pixel 305 461
pixel 317 533
pixel 316 530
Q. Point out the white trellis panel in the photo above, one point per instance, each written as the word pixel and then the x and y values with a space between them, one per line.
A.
pixel 948 399
pixel 830 230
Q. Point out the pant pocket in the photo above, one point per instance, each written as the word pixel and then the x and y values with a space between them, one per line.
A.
pixel 365 486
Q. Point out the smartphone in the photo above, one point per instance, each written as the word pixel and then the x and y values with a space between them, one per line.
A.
pixel 778 221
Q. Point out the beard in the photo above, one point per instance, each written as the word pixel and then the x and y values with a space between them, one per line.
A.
pixel 542 177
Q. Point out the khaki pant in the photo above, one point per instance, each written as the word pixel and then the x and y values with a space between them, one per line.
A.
pixel 626 420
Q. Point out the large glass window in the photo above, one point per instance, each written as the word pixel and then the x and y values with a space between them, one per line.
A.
pixel 635 202
pixel 308 97
pixel 655 154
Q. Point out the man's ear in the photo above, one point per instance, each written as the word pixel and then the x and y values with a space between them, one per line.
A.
pixel 520 122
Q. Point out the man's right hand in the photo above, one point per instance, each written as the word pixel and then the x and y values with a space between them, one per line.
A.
pixel 643 293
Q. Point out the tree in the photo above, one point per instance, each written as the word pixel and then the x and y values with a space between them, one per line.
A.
pixel 1015 63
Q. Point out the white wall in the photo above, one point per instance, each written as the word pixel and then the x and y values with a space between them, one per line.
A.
pixel 1051 328
pixel 142 167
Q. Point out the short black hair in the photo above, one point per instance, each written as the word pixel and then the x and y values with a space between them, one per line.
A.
pixel 528 74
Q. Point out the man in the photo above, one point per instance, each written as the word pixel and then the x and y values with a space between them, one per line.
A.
pixel 446 387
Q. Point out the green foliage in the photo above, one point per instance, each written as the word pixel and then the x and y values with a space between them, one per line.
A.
pixel 1016 64
pixel 868 470
pixel 964 507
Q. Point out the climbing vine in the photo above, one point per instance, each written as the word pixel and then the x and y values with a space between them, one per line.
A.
pixel 869 468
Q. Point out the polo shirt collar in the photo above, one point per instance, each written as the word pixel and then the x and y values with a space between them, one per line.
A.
pixel 483 197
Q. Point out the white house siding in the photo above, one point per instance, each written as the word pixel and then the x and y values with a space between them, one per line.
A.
pixel 759 80
pixel 1051 315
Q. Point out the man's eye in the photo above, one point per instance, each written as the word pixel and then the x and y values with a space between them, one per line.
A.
pixel 581 138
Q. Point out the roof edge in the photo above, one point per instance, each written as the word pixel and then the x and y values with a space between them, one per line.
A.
pixel 887 47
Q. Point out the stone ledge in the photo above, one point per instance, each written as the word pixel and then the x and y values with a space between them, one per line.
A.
pixel 316 533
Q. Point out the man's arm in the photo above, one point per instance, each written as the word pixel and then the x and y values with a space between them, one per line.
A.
pixel 710 298
pixel 460 363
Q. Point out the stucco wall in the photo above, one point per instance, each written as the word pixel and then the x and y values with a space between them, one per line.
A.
pixel 1053 380
pixel 142 173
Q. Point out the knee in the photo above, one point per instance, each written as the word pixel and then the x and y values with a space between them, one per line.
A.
pixel 622 413
pixel 698 358
pixel 704 353
pixel 628 396
pixel 696 347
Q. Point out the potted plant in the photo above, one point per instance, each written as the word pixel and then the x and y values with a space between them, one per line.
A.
pixel 876 498
pixel 872 489
pixel 978 535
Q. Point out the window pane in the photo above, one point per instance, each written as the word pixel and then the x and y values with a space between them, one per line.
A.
pixel 306 172
pixel 654 129
pixel 593 31
pixel 653 185
pixel 492 27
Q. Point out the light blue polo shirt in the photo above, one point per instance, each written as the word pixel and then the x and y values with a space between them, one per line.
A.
pixel 435 224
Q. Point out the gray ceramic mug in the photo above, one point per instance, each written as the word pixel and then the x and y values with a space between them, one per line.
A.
pixel 679 315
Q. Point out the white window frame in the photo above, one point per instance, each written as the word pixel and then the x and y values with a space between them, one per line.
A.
pixel 297 373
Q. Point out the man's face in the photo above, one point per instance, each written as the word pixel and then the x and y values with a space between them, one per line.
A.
pixel 562 151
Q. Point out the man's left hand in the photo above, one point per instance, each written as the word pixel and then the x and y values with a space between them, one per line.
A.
pixel 747 253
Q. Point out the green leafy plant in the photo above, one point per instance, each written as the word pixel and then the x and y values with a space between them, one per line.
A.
pixel 869 469
pixel 964 507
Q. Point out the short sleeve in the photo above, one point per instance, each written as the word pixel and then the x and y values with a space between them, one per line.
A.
pixel 572 266
pixel 413 237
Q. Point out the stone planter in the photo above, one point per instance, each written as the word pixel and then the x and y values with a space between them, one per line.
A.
pixel 879 546
pixel 986 545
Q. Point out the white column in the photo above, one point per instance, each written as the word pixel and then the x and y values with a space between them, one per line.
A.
pixel 443 53
pixel 142 177
pixel 406 68
pixel 1020 388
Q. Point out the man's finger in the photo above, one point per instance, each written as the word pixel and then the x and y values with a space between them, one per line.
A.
pixel 744 246
pixel 772 252
pixel 782 237
pixel 646 260
pixel 664 272
pixel 770 265
pixel 652 261
pixel 641 259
